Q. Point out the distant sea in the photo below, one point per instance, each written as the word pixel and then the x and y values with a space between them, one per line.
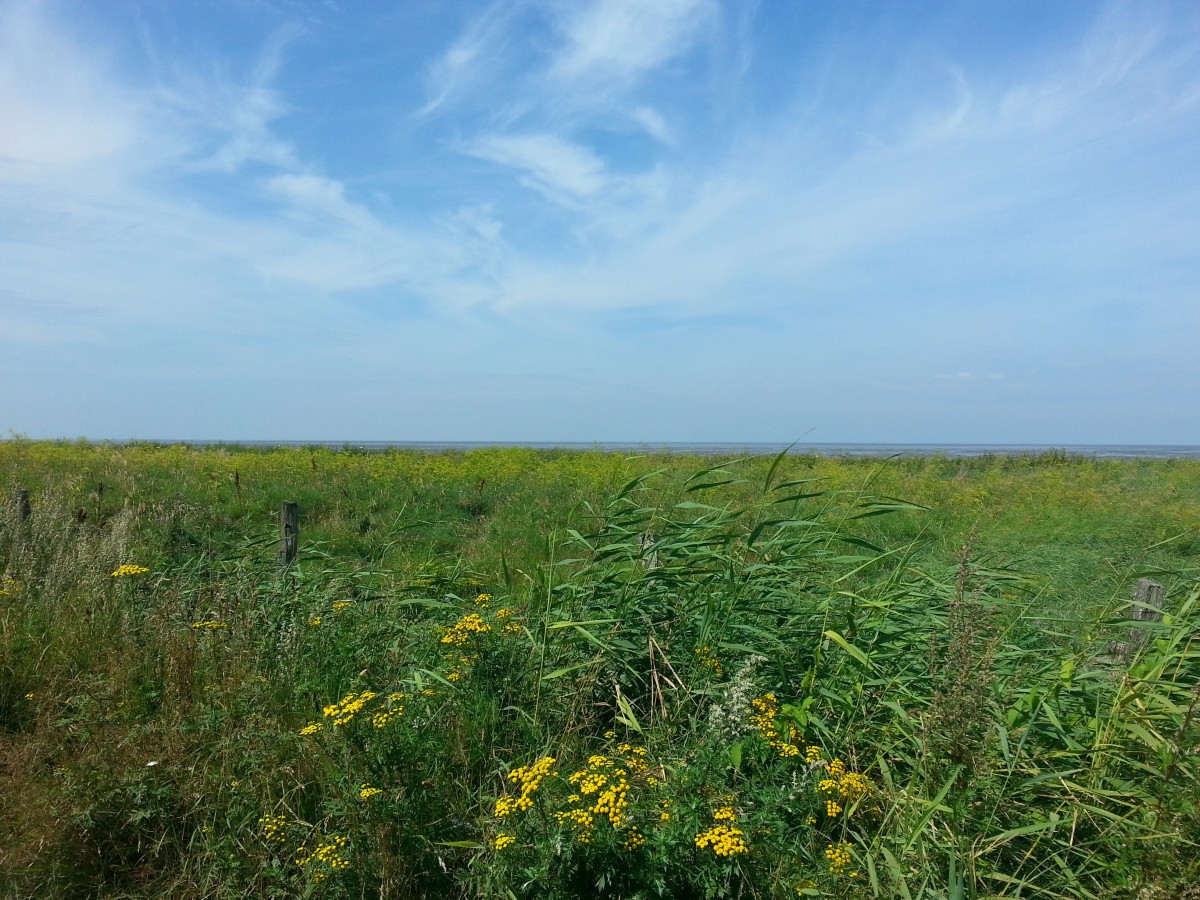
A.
pixel 1096 451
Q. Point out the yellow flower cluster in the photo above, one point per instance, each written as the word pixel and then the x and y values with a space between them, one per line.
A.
pixel 510 628
pixel 636 839
pixel 841 786
pixel 503 840
pixel 391 712
pixel 764 709
pixel 339 605
pixel 723 840
pixel 707 658
pixel 9 586
pixel 128 569
pixel 839 857
pixel 528 779
pixel 314 621
pixel 634 757
pixel 462 630
pixel 724 814
pixel 311 728
pixel 273 828
pixel 483 601
pixel 210 624
pixel 607 779
pixel 326 859
pixel 348 707
pixel 366 792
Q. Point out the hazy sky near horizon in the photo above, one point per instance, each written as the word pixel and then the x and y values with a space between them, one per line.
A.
pixel 625 220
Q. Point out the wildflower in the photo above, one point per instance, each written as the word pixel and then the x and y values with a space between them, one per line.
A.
pixel 273 827
pixel 503 840
pixel 839 857
pixel 528 779
pixel 723 841
pixel 483 601
pixel 128 569
pixel 832 808
pixel 210 624
pixel 635 840
pixel 461 631
pixel 384 717
pixel 348 707
pixel 314 621
pixel 311 728
pixel 708 659
pixel 29 696
pixel 326 858
pixel 339 605
pixel 724 814
pixel 366 792
pixel 764 710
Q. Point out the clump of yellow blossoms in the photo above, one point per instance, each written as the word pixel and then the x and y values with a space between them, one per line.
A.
pixel 707 658
pixel 311 728
pixel 841 786
pixel 326 859
pixel 273 828
pixel 764 709
pixel 483 601
pixel 461 632
pixel 128 569
pixel 366 792
pixel 314 621
pixel 839 857
pixel 9 586
pixel 723 840
pixel 339 605
pixel 345 709
pixel 604 795
pixel 210 624
pixel 503 840
pixel 527 779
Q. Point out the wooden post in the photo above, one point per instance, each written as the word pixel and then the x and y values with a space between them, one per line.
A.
pixel 289 533
pixel 1147 607
pixel 23 507
pixel 649 556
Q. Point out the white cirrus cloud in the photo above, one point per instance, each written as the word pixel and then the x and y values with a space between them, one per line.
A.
pixel 620 40
pixel 550 164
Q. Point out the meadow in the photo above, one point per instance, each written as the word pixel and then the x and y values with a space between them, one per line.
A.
pixel 510 673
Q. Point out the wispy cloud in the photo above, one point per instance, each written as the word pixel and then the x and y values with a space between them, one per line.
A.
pixel 615 42
pixel 551 164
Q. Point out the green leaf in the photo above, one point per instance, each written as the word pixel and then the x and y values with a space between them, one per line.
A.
pixel 854 652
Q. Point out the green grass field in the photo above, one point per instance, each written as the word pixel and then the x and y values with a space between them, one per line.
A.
pixel 513 673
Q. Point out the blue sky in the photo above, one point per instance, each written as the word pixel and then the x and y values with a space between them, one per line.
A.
pixel 624 220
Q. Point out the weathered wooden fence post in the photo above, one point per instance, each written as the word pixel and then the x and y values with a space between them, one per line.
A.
pixel 1147 607
pixel 23 507
pixel 289 533
pixel 649 556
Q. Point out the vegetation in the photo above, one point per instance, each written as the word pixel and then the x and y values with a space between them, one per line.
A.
pixel 513 673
